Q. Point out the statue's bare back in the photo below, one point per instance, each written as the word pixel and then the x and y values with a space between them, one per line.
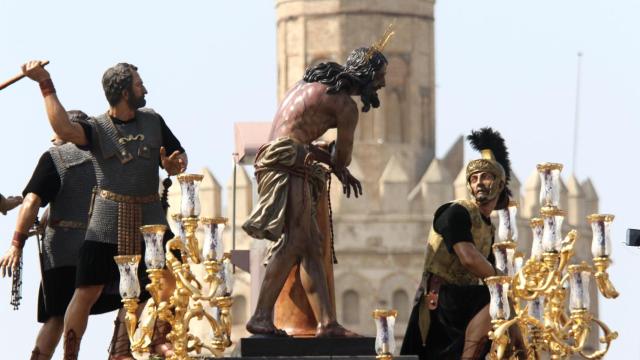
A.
pixel 307 112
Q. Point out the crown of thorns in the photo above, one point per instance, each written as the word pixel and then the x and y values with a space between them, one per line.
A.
pixel 382 42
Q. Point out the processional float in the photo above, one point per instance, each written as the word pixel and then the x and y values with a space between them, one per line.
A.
pixel 189 300
pixel 535 291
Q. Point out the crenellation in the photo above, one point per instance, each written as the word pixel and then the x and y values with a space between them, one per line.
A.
pixel 576 202
pixel 531 199
pixel 210 195
pixel 460 190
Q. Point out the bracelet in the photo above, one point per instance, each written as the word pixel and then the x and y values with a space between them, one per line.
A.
pixel 19 239
pixel 46 87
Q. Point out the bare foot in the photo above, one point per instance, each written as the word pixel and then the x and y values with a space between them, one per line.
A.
pixel 334 330
pixel 264 327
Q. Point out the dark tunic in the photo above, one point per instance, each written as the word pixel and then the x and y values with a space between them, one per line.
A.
pixel 457 305
pixel 96 265
pixel 58 283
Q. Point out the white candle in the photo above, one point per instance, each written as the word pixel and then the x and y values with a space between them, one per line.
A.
pixel 579 276
pixel 154 251
pixel 128 267
pixel 601 229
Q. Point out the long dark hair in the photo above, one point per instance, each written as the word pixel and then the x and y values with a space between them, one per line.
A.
pixel 357 73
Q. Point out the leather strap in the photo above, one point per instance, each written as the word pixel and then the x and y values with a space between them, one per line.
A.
pixel 129 199
pixel 433 289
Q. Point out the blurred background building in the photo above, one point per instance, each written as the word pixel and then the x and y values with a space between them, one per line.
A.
pixel 380 237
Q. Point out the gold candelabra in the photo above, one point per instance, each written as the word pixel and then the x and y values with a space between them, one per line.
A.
pixel 535 292
pixel 190 299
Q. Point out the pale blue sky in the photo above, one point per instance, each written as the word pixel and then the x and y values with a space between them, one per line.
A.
pixel 207 64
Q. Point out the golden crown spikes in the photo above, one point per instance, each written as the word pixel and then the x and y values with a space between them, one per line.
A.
pixel 382 43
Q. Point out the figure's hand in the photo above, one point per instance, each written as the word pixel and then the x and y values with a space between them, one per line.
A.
pixel 34 71
pixel 349 182
pixel 173 164
pixel 10 260
pixel 9 203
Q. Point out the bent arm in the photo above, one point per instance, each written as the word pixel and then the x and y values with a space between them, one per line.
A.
pixel 473 260
pixel 59 120
pixel 56 113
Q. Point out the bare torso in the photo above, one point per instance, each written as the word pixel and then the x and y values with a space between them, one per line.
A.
pixel 307 112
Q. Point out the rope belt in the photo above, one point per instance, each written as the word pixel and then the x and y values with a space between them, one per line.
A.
pixel 303 172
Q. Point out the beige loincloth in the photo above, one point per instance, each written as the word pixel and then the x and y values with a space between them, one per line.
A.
pixel 275 163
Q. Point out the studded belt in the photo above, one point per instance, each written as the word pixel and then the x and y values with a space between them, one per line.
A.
pixel 68 224
pixel 129 199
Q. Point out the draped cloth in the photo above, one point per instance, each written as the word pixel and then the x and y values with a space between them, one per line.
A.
pixel 275 163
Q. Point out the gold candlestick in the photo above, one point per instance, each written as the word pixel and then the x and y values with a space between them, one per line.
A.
pixel 190 226
pixel 540 283
pixel 188 300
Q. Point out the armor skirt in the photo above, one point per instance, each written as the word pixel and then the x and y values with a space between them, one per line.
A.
pixel 457 305
pixel 56 291
pixel 97 267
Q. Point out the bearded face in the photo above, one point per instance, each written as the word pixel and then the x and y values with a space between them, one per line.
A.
pixel 137 91
pixel 136 102
pixel 369 97
pixel 369 92
pixel 484 187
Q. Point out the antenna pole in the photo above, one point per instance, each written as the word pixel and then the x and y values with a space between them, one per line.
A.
pixel 576 121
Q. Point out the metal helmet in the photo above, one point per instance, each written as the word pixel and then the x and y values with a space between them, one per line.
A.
pixel 494 160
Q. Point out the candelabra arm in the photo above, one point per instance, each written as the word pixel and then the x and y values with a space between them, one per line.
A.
pixel 146 329
pixel 519 286
pixel 566 251
pixel 602 278
pixel 608 337
pixel 606 286
pixel 500 338
pixel 224 305
pixel 190 226
pixel 578 329
pixel 211 267
pixel 551 276
pixel 177 268
pixel 131 318
pixel 154 287
pixel 186 282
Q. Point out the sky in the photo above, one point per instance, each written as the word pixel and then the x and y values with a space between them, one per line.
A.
pixel 207 64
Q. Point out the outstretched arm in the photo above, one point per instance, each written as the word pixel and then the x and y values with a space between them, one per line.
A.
pixel 58 118
pixel 26 217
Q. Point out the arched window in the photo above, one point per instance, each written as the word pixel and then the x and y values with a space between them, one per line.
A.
pixel 401 304
pixel 239 310
pixel 351 307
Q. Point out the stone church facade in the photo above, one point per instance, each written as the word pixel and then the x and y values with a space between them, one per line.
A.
pixel 381 237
